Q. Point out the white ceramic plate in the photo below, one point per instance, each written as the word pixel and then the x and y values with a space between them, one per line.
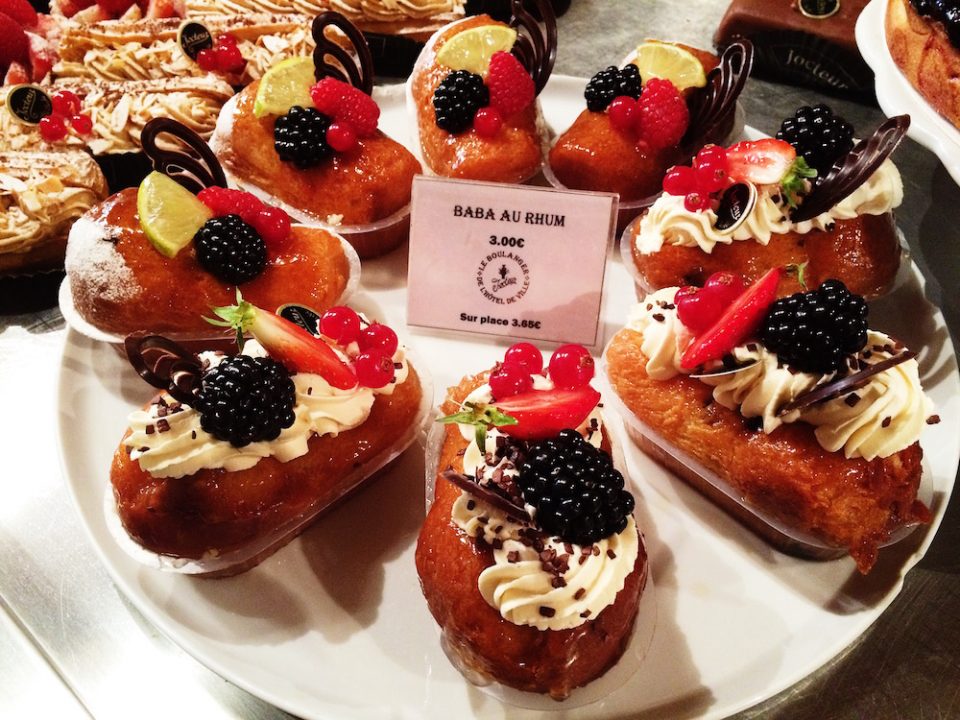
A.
pixel 897 96
pixel 334 625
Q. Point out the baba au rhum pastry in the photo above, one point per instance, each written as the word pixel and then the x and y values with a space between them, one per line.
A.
pixel 473 94
pixel 239 452
pixel 656 111
pixel 157 257
pixel 810 197
pixel 923 37
pixel 789 413
pixel 530 559
pixel 315 147
pixel 41 194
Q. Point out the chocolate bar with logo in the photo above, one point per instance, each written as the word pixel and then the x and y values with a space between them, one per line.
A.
pixel 802 42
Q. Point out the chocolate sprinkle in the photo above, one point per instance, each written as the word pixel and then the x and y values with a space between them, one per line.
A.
pixel 658 317
pixel 933 420
pixel 611 554
pixel 841 386
pixel 852 170
pixel 585 614
pixel 513 556
pixel 579 593
pixel 547 612
pixel 886 422
pixel 163 426
pixel 852 399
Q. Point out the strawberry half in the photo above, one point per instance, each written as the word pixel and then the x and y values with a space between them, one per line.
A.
pixel 298 350
pixel 761 162
pixel 544 413
pixel 739 322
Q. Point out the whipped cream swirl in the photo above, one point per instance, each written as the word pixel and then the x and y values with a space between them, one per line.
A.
pixel 168 441
pixel 536 579
pixel 883 417
pixel 669 222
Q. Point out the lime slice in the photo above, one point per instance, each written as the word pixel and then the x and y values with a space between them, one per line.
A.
pixel 284 85
pixel 472 49
pixel 170 215
pixel 669 62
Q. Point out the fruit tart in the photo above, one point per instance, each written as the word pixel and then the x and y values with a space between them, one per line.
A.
pixel 157 257
pixel 314 147
pixel 656 111
pixel 473 95
pixel 809 196
pixel 530 559
pixel 239 452
pixel 790 413
pixel 923 37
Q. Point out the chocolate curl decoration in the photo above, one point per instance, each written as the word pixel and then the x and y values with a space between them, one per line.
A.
pixel 355 68
pixel 185 167
pixel 713 105
pixel 853 169
pixel 536 45
pixel 464 482
pixel 842 386
pixel 165 365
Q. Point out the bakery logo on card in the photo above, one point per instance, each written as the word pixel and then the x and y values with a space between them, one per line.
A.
pixel 194 37
pixel 503 277
pixel 29 103
pixel 819 9
pixel 301 315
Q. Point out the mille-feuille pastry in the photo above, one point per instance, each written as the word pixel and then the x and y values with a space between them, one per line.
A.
pixel 119 110
pixel 415 19
pixel 473 96
pixel 240 452
pixel 789 413
pixel 315 147
pixel 157 257
pixel 41 194
pixel 530 559
pixel 656 111
pixel 118 50
pixel 923 37
pixel 808 198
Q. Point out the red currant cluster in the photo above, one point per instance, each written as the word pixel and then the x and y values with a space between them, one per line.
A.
pixel 271 223
pixel 699 308
pixel 659 118
pixel 223 57
pixel 570 367
pixel 354 113
pixel 377 344
pixel 64 117
pixel 699 185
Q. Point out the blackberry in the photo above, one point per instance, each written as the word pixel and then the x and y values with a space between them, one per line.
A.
pixel 815 331
pixel 577 493
pixel 246 399
pixel 818 135
pixel 230 249
pixel 457 100
pixel 923 7
pixel 300 137
pixel 610 83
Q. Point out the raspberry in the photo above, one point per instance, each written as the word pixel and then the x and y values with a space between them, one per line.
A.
pixel 511 87
pixel 345 103
pixel 224 201
pixel 663 116
pixel 14 45
pixel 20 11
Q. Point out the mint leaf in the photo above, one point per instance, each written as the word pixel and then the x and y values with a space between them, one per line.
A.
pixel 794 182
pixel 481 416
pixel 239 317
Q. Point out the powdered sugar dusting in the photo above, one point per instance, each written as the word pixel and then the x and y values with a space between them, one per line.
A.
pixel 94 263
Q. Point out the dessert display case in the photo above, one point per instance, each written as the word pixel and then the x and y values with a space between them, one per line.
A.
pixel 334 624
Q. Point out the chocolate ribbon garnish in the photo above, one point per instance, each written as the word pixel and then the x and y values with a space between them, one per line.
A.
pixel 841 386
pixel 355 68
pixel 470 485
pixel 192 172
pixel 166 365
pixel 853 169
pixel 536 45
pixel 713 105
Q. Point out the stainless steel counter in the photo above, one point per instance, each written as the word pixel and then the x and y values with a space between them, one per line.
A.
pixel 71 645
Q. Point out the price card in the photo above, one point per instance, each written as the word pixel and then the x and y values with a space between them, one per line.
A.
pixel 508 259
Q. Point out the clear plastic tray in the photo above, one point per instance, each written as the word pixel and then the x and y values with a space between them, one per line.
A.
pixel 251 554
pixel 784 537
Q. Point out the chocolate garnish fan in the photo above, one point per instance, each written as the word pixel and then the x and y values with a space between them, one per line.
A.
pixel 536 44
pixel 194 170
pixel 166 365
pixel 332 60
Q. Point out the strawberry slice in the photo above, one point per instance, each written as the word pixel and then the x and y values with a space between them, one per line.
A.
pixel 736 324
pixel 544 413
pixel 298 350
pixel 761 162
pixel 16 74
